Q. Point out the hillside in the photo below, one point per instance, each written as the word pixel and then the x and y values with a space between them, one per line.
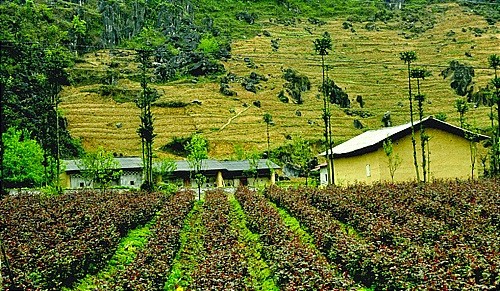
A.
pixel 364 61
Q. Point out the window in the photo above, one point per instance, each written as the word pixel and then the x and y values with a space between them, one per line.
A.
pixel 132 183
pixel 368 170
pixel 82 184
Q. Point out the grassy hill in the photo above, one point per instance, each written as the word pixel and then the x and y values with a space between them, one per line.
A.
pixel 364 61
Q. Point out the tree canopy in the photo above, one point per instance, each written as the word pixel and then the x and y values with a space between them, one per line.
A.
pixel 23 160
pixel 100 168
pixel 198 151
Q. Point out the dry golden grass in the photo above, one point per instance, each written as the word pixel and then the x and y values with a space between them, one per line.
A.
pixel 365 63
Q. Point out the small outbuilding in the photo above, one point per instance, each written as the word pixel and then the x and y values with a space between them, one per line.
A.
pixel 451 151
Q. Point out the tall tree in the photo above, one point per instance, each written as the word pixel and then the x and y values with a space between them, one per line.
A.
pixel 322 46
pixel 2 121
pixel 78 30
pixel 198 151
pixel 409 57
pixel 494 63
pixel 55 63
pixel 146 128
pixel 302 155
pixel 253 158
pixel 462 107
pixel 268 119
pixel 420 74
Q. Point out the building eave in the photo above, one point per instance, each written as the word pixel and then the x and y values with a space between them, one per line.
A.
pixel 375 138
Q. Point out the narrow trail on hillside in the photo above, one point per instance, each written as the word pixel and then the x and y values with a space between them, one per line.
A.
pixel 232 118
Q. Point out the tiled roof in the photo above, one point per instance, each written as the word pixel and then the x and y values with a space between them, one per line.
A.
pixel 373 139
pixel 183 166
pixel 125 164
pixel 231 166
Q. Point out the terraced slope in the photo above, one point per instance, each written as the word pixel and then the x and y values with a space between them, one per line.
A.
pixel 363 62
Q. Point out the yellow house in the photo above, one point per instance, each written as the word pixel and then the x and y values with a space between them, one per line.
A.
pixel 449 151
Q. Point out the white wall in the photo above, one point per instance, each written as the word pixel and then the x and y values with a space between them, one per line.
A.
pixel 131 179
pixel 323 176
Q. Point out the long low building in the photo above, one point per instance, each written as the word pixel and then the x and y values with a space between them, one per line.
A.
pixel 218 174
pixel 131 175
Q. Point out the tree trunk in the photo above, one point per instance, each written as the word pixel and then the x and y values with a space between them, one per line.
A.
pixel 413 141
pixel 268 142
pixel 58 149
pixel 422 130
pixel 325 119
pixel 2 122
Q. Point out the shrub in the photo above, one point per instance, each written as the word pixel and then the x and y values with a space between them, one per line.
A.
pixel 209 45
pixel 171 104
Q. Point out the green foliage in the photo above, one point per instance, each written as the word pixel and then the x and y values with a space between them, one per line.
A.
pixel 100 168
pixel 32 23
pixel 190 250
pixel 22 161
pixel 302 155
pixel 148 39
pixel 146 129
pixel 209 45
pixel 239 152
pixel 420 73
pixel 335 94
pixel 79 30
pixel 461 77
pixel 393 160
pixel 164 169
pixel 293 224
pixel 178 145
pixel 49 191
pixel 36 75
pixel 323 45
pixel 462 107
pixel 490 12
pixel 171 104
pixel 268 119
pixel 408 56
pixel 441 116
pixel 296 84
pixel 494 61
pixel 261 277
pixel 253 160
pixel 198 151
pixel 125 254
